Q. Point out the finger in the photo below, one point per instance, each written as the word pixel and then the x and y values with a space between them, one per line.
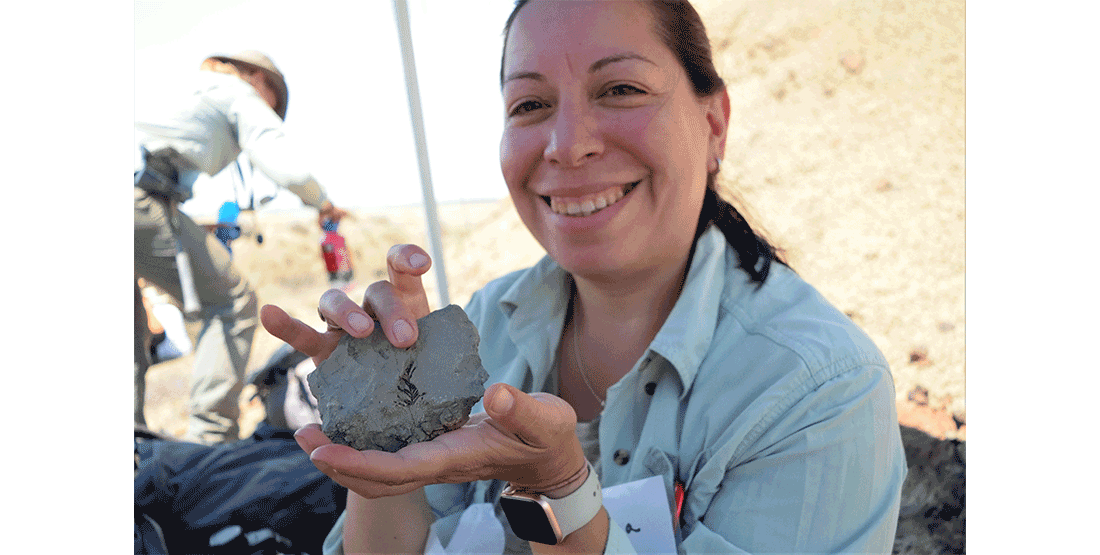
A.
pixel 368 473
pixel 544 422
pixel 378 473
pixel 297 333
pixel 537 419
pixel 322 456
pixel 405 265
pixel 365 487
pixel 337 309
pixel 310 437
pixel 401 301
pixel 397 319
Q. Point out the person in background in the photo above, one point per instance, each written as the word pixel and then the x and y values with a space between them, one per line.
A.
pixel 234 104
pixel 660 336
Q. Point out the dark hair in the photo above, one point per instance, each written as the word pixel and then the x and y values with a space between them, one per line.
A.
pixel 681 29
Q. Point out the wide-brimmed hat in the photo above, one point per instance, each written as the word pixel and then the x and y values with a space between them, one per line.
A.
pixel 258 60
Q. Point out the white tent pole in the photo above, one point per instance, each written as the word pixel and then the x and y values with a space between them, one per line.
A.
pixel 404 33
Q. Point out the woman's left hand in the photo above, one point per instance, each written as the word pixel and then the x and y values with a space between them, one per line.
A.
pixel 527 439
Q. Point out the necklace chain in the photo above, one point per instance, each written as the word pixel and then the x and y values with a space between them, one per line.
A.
pixel 580 365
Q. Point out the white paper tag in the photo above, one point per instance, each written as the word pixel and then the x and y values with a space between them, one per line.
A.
pixel 640 507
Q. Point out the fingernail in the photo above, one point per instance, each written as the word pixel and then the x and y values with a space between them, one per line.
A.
pixel 503 400
pixel 402 331
pixel 418 260
pixel 358 322
pixel 323 466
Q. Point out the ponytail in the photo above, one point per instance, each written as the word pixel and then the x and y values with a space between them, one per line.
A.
pixel 754 252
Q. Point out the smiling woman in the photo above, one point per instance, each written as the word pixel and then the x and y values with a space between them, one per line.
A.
pixel 656 338
pixel 596 120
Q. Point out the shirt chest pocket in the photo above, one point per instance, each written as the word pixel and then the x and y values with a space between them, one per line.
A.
pixel 688 493
pixel 656 462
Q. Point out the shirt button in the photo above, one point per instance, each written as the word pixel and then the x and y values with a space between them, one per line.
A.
pixel 622 456
pixel 650 388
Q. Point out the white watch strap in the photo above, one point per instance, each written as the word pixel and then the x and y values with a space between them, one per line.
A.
pixel 578 508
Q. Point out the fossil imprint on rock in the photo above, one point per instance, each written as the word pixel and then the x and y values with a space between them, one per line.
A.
pixel 373 395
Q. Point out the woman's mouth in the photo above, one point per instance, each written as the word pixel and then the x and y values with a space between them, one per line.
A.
pixel 589 204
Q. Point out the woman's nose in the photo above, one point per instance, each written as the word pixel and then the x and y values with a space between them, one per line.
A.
pixel 574 137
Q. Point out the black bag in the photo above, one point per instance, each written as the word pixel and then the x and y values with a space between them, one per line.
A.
pixel 284 391
pixel 160 177
pixel 260 495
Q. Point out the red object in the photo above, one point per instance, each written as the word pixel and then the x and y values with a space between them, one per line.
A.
pixel 679 504
pixel 334 251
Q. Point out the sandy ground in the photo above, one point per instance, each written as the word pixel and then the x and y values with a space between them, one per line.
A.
pixel 847 146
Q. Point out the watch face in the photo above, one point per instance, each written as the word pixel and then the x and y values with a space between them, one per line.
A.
pixel 529 520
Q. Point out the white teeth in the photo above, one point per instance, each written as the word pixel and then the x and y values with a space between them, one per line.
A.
pixel 589 205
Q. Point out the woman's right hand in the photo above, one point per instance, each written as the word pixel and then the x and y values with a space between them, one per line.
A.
pixel 396 303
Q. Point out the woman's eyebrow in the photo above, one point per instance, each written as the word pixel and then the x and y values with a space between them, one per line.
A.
pixel 604 62
pixel 596 66
pixel 524 75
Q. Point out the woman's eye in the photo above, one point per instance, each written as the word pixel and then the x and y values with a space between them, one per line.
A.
pixel 526 107
pixel 623 90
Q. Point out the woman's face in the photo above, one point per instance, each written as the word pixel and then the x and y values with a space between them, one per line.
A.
pixel 605 148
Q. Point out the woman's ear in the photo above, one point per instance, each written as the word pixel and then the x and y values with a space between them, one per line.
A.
pixel 718 117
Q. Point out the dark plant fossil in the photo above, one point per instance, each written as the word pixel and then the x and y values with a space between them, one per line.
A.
pixel 408 391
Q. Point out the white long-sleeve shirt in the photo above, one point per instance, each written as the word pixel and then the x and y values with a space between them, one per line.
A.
pixel 211 123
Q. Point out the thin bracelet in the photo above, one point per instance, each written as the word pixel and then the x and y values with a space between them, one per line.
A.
pixel 576 477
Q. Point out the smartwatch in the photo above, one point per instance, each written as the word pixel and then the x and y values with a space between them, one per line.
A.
pixel 537 518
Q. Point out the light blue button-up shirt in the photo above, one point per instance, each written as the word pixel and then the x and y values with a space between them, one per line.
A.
pixel 773 410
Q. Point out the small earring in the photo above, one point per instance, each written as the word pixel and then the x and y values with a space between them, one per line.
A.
pixel 718 164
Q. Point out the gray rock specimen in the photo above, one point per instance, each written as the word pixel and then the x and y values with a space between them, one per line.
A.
pixel 372 395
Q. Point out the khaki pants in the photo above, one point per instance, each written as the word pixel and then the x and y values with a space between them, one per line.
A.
pixel 229 316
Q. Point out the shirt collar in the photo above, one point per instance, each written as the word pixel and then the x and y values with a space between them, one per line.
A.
pixel 536 306
pixel 685 337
